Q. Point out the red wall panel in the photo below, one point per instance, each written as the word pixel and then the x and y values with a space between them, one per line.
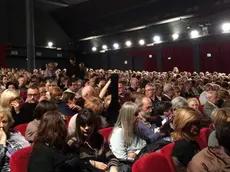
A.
pixel 3 55
pixel 181 57
pixel 219 60
pixel 150 64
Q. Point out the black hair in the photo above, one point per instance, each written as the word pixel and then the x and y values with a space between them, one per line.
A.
pixel 162 107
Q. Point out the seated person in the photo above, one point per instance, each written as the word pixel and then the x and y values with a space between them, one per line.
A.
pixel 90 144
pixel 186 127
pixel 220 116
pixel 214 158
pixel 147 130
pixel 40 110
pixel 10 141
pixel 51 151
pixel 125 141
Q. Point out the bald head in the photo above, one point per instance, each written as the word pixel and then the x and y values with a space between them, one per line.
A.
pixel 87 91
pixel 147 106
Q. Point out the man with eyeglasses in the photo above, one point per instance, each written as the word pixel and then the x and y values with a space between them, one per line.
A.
pixel 25 114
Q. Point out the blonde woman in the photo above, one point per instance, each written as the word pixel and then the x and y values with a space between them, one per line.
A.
pixel 186 127
pixel 125 141
pixel 10 98
pixel 219 116
pixel 193 103
pixel 10 141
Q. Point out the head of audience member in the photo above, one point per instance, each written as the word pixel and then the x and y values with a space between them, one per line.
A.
pixel 179 102
pixel 101 82
pixel 9 97
pixel 186 124
pixel 72 60
pixel 134 83
pixel 69 98
pixel 212 97
pixel 43 107
pixel 87 92
pixel 159 89
pixel 223 94
pixel 95 104
pixel 193 103
pixel 221 115
pixel 42 90
pixel 85 125
pixel 127 121
pixel 150 91
pixel 121 88
pixel 223 134
pixel 21 82
pixel 50 84
pixel 4 79
pixel 6 119
pixel 72 85
pixel 33 95
pixel 52 131
pixel 168 90
pixel 145 106
pixel 164 109
pixel 177 91
pixel 11 85
pixel 55 93
pixel 52 66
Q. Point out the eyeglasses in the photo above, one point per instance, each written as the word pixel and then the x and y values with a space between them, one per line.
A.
pixel 32 95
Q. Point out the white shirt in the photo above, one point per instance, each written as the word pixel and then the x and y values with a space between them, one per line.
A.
pixel 118 147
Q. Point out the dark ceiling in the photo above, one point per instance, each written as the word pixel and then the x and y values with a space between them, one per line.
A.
pixel 84 19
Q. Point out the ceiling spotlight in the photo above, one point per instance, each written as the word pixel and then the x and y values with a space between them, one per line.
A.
pixel 116 46
pixel 142 42
pixel 226 27
pixel 175 36
pixel 94 49
pixel 194 34
pixel 104 47
pixel 50 44
pixel 157 39
pixel 128 43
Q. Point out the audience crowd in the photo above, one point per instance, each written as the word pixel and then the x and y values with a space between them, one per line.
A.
pixel 65 111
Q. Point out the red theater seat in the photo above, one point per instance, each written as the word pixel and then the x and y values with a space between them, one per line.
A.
pixel 155 161
pixel 204 134
pixel 19 160
pixel 21 128
pixel 106 132
pixel 167 152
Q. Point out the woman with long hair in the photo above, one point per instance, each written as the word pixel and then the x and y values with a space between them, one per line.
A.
pixel 187 125
pixel 125 140
pixel 41 108
pixel 90 144
pixel 51 152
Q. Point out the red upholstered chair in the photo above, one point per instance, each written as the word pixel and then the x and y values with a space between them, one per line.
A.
pixel 19 160
pixel 21 128
pixel 167 152
pixel 155 161
pixel 204 134
pixel 67 120
pixel 106 132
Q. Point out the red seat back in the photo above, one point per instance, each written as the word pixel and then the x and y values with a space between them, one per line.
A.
pixel 19 160
pixel 155 161
pixel 21 128
pixel 167 152
pixel 106 132
pixel 204 134
pixel 67 120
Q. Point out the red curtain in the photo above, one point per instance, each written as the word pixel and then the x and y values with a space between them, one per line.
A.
pixel 149 57
pixel 181 57
pixel 219 60
pixel 3 55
